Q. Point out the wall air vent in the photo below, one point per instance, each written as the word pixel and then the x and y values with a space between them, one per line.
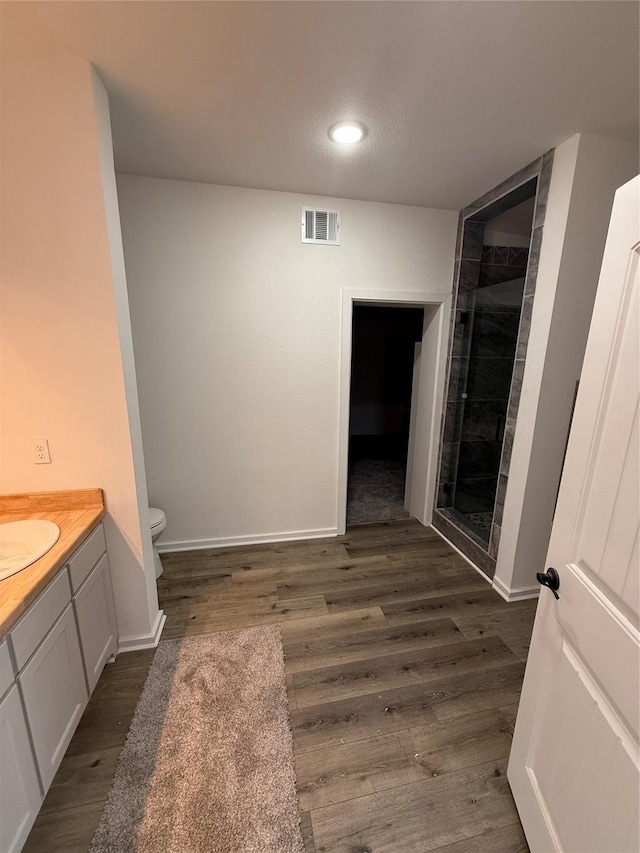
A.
pixel 321 226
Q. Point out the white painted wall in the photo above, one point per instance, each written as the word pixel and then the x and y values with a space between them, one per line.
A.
pixel 237 339
pixel 121 299
pixel 65 313
pixel 587 170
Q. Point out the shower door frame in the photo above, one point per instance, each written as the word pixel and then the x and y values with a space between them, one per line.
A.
pixel 471 224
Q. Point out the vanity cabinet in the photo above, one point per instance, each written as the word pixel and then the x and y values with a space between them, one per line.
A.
pixel 20 794
pixel 50 664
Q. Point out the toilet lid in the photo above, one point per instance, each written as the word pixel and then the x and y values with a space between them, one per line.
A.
pixel 156 516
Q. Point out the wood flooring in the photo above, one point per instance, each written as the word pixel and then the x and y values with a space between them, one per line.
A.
pixel 404 671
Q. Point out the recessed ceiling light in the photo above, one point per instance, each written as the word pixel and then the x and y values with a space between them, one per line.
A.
pixel 346 131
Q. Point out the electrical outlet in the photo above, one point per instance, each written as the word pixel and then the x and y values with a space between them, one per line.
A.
pixel 41 451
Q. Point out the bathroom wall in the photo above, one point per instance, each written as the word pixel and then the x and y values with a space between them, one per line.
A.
pixel 237 341
pixel 587 169
pixel 66 369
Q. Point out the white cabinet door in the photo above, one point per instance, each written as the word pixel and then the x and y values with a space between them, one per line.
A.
pixel 20 796
pixel 574 765
pixel 96 621
pixel 55 694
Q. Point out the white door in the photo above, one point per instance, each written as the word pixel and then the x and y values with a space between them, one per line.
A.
pixel 574 765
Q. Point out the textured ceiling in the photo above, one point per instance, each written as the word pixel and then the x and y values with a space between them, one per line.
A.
pixel 455 95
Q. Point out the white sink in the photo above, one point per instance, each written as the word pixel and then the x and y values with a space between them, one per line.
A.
pixel 24 542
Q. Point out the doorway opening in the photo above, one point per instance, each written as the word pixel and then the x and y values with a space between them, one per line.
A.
pixel 427 395
pixel 386 342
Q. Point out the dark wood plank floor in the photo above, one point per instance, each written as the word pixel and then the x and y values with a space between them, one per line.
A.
pixel 404 671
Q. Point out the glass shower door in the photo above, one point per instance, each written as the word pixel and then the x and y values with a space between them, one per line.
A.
pixel 488 332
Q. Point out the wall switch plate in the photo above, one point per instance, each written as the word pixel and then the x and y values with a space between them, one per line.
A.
pixel 42 456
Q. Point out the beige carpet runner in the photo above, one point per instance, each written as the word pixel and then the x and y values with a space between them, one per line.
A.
pixel 208 763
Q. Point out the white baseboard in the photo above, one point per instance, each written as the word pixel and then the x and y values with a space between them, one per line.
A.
pixel 517 593
pixel 482 574
pixel 145 641
pixel 230 541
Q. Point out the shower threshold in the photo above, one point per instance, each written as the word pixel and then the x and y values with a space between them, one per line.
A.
pixel 475 524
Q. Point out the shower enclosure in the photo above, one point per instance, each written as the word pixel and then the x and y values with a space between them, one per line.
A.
pixel 496 268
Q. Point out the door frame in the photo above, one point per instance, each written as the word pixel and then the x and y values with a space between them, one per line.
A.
pixel 429 399
pixel 415 384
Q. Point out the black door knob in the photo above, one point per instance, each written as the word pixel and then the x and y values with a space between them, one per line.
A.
pixel 551 579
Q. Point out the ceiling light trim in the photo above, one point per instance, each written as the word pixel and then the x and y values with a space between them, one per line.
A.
pixel 347 132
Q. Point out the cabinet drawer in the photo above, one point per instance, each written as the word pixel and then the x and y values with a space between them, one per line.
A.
pixel 30 630
pixel 6 669
pixel 86 557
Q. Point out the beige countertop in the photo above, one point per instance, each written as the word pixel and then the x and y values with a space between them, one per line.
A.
pixel 75 512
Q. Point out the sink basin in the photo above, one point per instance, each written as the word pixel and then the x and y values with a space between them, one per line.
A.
pixel 24 542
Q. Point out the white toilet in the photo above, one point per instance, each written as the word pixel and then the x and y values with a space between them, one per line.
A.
pixel 158 522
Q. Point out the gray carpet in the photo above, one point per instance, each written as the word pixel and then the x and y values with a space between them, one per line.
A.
pixel 375 491
pixel 208 761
